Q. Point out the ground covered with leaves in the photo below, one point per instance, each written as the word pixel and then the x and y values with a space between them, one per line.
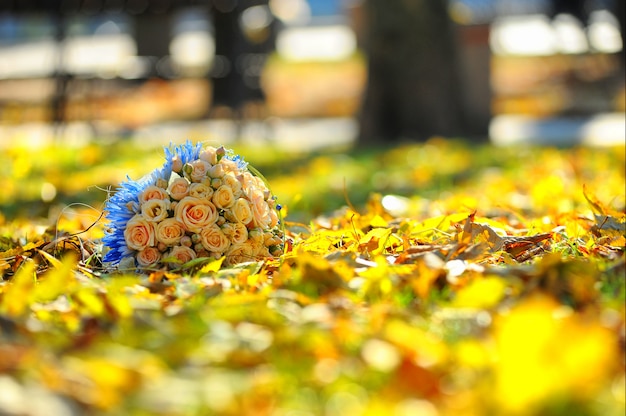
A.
pixel 437 279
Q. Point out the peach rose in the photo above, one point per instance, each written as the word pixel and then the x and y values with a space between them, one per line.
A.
pixel 213 239
pixel 273 218
pixel 178 188
pixel 228 165
pixel 182 254
pixel 231 181
pixel 195 213
pixel 177 164
pixel 200 190
pixel 139 233
pixel 239 253
pixel 209 155
pixel 199 170
pixel 236 231
pixel 148 256
pixel 260 210
pixel 247 180
pixel 152 192
pixel 223 197
pixel 252 184
pixel 155 210
pixel 261 185
pixel 241 211
pixel 170 231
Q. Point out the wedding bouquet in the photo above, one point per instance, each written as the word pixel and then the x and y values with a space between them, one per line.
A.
pixel 203 203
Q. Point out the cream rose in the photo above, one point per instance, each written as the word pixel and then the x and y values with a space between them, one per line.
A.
pixel 200 190
pixel 216 171
pixel 209 155
pixel 228 165
pixel 236 231
pixel 170 231
pixel 148 256
pixel 199 170
pixel 139 233
pixel 178 188
pixel 155 210
pixel 235 185
pixel 241 211
pixel 223 197
pixel 152 192
pixel 213 239
pixel 195 213
pixel 182 254
pixel 238 253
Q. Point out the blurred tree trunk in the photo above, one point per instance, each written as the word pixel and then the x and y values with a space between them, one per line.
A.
pixel 413 89
pixel 240 53
pixel 620 11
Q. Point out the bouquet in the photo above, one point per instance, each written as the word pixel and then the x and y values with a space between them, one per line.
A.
pixel 203 203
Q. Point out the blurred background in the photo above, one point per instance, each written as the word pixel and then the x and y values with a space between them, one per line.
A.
pixel 308 73
pixel 335 101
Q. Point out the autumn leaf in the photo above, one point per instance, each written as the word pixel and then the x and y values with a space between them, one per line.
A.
pixel 17 297
pixel 595 204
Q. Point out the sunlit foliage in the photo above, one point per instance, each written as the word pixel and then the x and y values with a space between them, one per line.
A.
pixel 435 279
